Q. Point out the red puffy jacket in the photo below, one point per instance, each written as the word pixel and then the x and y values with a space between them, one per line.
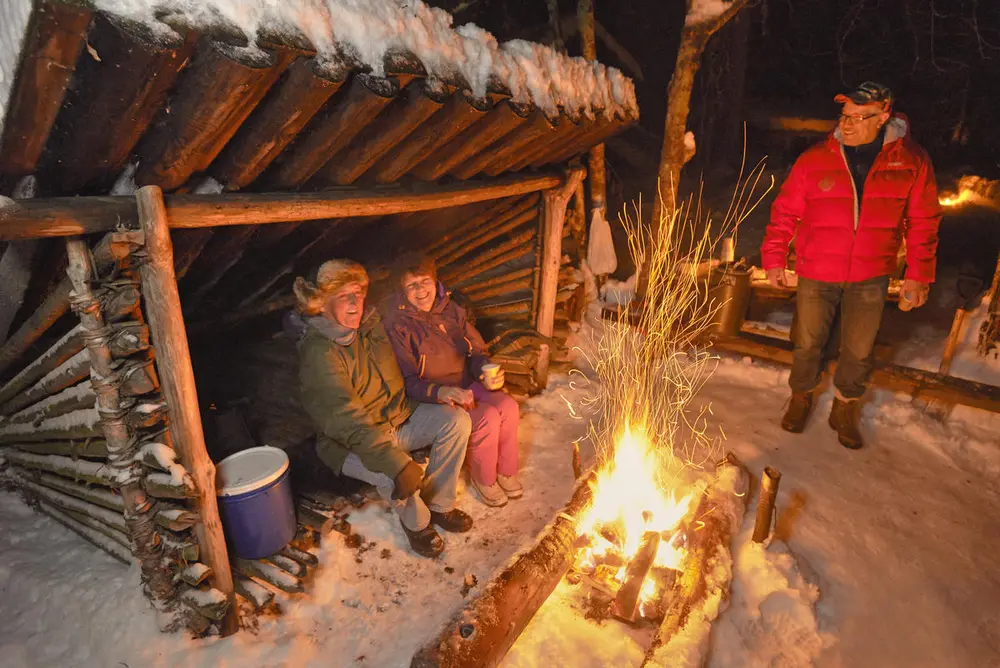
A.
pixel 834 241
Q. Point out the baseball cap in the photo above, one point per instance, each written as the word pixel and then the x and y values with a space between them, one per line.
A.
pixel 869 92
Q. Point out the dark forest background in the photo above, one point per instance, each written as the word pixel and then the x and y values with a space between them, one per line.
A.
pixel 789 58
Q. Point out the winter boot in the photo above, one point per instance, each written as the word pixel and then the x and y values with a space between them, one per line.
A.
pixel 799 406
pixel 425 542
pixel 492 495
pixel 844 418
pixel 454 520
pixel 511 486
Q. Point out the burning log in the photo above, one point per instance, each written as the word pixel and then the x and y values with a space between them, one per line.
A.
pixel 626 603
pixel 765 504
pixel 577 467
pixel 694 597
pixel 485 629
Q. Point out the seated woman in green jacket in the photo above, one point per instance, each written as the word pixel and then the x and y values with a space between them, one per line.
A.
pixel 366 427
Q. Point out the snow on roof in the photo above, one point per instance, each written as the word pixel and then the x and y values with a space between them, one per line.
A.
pixel 366 30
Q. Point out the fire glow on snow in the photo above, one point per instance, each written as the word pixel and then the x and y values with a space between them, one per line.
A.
pixel 367 30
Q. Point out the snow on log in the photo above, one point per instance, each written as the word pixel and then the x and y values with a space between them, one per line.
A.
pixel 194 574
pixel 175 519
pixel 112 547
pixel 372 30
pixel 69 373
pixel 288 565
pixel 211 603
pixel 482 632
pixel 701 591
pixel 96 495
pixel 76 469
pixel 179 549
pixel 70 344
pixel 83 423
pixel 302 556
pixel 71 503
pixel 258 595
pixel 91 448
pixel 169 486
pixel 270 574
pixel 72 398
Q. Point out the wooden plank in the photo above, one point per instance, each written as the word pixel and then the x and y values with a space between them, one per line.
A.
pixel 112 102
pixel 173 358
pixel 278 119
pixel 457 114
pixel 501 120
pixel 930 385
pixel 68 216
pixel 346 115
pixel 56 34
pixel 418 102
pixel 211 102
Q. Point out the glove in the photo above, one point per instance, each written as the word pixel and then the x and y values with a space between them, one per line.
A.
pixel 776 277
pixel 408 481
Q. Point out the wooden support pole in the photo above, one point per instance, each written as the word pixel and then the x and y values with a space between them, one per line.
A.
pixel 68 216
pixel 765 504
pixel 554 212
pixel 166 324
pixel 595 171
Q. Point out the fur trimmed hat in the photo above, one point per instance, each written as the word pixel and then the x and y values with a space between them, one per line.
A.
pixel 330 277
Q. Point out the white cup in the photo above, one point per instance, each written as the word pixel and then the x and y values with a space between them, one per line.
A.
pixel 491 373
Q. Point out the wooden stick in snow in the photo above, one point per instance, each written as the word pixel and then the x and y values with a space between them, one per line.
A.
pixel 166 324
pixel 765 504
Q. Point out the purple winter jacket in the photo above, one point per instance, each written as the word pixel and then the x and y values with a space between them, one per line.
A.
pixel 436 348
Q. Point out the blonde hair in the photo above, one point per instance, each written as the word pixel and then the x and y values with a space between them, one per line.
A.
pixel 331 276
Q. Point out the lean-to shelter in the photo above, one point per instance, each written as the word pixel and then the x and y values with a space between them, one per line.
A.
pixel 167 174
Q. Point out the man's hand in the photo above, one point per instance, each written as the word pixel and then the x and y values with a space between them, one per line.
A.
pixel 776 277
pixel 456 397
pixel 913 294
pixel 408 481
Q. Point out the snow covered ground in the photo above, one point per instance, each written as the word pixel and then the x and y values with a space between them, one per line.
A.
pixel 881 557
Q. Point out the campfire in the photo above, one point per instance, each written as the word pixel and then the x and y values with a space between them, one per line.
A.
pixel 631 538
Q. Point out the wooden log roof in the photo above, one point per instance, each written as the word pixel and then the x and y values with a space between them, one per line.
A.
pixel 255 119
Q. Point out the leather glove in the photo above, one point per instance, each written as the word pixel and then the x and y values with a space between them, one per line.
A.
pixel 408 481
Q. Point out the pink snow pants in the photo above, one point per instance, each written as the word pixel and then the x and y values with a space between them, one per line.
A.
pixel 493 443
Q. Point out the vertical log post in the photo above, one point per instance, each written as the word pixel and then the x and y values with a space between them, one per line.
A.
pixel 765 504
pixel 596 173
pixel 139 508
pixel 173 359
pixel 554 217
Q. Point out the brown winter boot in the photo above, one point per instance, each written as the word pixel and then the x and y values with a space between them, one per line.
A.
pixel 844 418
pixel 794 419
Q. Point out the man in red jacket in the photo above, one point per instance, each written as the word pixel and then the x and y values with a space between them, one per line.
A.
pixel 849 202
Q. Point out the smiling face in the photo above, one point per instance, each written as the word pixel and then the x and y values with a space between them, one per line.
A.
pixel 420 290
pixel 347 305
pixel 860 123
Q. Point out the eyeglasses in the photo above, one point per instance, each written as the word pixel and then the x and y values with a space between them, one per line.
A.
pixel 855 118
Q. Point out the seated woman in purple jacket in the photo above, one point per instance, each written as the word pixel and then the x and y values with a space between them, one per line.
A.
pixel 442 356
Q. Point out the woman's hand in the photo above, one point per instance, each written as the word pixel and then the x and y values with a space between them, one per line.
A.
pixel 494 381
pixel 456 397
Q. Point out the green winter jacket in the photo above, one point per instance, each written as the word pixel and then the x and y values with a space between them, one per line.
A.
pixel 355 396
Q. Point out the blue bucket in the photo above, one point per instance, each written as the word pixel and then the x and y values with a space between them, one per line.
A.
pixel 255 501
